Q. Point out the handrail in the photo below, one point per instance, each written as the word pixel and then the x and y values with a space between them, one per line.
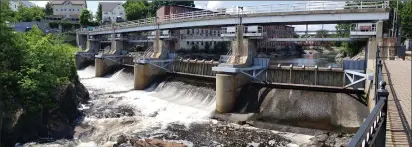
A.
pixel 373 130
pixel 294 7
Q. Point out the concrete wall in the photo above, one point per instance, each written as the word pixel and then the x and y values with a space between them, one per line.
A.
pixel 308 109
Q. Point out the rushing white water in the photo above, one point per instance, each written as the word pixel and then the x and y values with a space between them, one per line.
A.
pixel 117 110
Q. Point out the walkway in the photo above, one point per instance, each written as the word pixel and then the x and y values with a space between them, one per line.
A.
pixel 397 73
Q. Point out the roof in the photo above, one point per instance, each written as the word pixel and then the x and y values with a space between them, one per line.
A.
pixel 74 2
pixel 109 6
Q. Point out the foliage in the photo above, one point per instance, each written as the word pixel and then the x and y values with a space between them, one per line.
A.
pixel 143 9
pixel 48 10
pixel 136 9
pixel 406 19
pixel 85 18
pixel 33 66
pixel 321 33
pixel 353 47
pixel 28 14
pixel 6 14
pixel 99 13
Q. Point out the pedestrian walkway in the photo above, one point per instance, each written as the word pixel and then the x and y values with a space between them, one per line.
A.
pixel 397 73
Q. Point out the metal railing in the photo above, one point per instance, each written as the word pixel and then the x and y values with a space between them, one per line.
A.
pixel 373 131
pixel 236 11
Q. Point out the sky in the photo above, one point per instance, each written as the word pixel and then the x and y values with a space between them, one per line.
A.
pixel 92 6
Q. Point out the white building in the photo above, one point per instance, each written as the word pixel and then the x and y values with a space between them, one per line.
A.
pixel 14 5
pixel 68 9
pixel 112 10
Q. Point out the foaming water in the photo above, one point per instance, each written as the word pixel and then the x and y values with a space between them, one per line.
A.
pixel 172 110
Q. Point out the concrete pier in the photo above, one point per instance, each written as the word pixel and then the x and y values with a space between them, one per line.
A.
pixel 99 67
pixel 226 92
pixel 144 74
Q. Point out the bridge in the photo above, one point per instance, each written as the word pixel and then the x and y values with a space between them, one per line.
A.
pixel 241 66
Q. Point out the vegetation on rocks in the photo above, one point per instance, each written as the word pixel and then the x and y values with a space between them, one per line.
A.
pixel 32 65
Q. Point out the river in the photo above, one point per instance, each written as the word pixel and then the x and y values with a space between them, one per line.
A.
pixel 170 110
pixel 319 59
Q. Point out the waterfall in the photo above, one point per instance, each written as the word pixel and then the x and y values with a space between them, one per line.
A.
pixel 175 110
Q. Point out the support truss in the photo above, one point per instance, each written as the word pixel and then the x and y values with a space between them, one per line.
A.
pixel 351 74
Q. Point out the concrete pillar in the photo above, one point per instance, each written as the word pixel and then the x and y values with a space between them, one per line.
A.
pixel 226 92
pixel 144 74
pixel 373 43
pixel 99 64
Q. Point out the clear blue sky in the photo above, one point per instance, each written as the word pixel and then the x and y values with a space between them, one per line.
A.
pixel 92 6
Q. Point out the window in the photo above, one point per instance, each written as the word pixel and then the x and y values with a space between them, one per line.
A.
pixel 78 9
pixel 121 13
pixel 64 9
pixel 61 9
pixel 57 9
pixel 105 13
pixel 187 42
pixel 201 43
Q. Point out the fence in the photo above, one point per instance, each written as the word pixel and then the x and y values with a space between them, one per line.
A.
pixel 373 131
pixel 235 11
pixel 391 52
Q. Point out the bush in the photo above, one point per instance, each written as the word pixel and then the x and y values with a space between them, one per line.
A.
pixel 34 66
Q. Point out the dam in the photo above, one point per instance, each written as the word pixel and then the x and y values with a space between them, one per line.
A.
pixel 159 94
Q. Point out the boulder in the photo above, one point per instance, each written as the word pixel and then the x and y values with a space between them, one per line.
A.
pixel 23 126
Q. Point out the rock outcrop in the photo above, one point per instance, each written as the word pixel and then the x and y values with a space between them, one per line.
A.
pixel 23 126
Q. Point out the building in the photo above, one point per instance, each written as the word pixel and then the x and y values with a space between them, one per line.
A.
pixel 14 5
pixel 210 36
pixel 111 11
pixel 168 10
pixel 68 9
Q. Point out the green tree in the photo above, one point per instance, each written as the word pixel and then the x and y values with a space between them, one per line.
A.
pixel 28 14
pixel 85 18
pixel 321 33
pixel 406 19
pixel 99 13
pixel 6 14
pixel 136 9
pixel 48 10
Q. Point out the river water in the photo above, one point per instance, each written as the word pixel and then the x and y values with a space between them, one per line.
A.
pixel 319 59
pixel 171 110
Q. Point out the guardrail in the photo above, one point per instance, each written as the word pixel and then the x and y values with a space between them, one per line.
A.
pixel 236 11
pixel 373 131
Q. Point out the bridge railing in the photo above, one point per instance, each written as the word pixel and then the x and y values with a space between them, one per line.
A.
pixel 219 12
pixel 373 131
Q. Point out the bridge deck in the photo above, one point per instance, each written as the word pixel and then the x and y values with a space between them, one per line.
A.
pixel 398 75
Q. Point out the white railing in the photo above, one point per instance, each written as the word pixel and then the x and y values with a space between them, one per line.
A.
pixel 234 11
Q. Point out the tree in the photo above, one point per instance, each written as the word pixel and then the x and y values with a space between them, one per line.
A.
pixel 48 10
pixel 406 19
pixel 28 14
pixel 321 33
pixel 85 18
pixel 99 13
pixel 6 14
pixel 136 9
